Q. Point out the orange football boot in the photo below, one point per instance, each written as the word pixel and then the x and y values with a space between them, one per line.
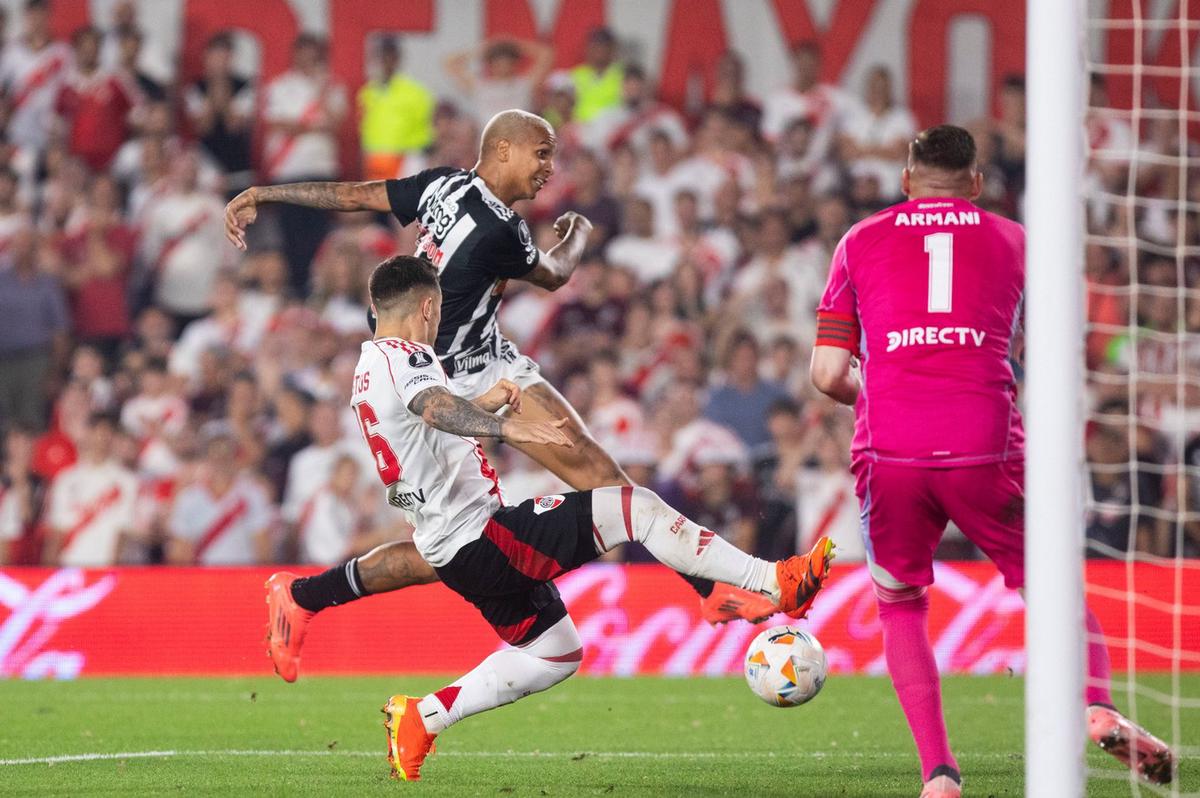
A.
pixel 728 603
pixel 287 622
pixel 408 740
pixel 802 576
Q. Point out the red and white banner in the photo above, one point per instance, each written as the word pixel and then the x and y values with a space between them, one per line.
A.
pixel 638 619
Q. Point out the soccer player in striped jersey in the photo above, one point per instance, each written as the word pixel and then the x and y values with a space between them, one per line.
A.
pixel 470 233
pixel 927 294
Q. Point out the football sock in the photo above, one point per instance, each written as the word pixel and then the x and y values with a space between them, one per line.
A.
pixel 506 676
pixel 622 514
pixel 1099 669
pixel 914 673
pixel 339 585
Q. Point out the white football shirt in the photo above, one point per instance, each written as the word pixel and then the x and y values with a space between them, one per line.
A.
pixel 443 482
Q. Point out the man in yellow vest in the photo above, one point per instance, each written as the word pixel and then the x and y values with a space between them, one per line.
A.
pixel 598 79
pixel 396 115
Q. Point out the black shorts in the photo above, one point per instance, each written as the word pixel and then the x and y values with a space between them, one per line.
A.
pixel 506 573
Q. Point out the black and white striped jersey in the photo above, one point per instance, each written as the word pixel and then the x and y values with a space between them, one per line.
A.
pixel 477 244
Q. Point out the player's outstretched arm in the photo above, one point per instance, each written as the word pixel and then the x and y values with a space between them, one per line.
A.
pixel 833 375
pixel 242 210
pixel 555 267
pixel 443 410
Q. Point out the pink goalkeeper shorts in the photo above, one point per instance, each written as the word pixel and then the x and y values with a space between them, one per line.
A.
pixel 904 510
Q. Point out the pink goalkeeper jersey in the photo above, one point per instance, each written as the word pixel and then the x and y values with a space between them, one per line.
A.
pixel 928 293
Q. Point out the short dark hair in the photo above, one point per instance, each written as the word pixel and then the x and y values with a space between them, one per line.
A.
pixel 398 275
pixel 221 40
pixel 946 147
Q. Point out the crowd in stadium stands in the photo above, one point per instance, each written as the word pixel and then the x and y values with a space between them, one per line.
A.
pixel 165 398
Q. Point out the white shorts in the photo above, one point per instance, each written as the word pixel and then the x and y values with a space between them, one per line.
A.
pixel 501 360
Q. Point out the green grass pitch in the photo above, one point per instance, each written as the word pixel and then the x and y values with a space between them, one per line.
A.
pixel 590 736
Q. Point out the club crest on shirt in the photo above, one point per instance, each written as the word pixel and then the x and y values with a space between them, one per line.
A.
pixel 526 241
pixel 544 504
pixel 419 359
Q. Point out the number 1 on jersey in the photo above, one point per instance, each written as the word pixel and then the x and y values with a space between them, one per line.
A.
pixel 940 247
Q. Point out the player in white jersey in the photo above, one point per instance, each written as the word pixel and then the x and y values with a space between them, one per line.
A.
pixel 502 559
pixel 469 231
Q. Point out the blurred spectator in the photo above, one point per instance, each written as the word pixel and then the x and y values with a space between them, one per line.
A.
pixel 127 62
pixel 222 329
pixel 598 79
pixel 154 417
pixel 335 522
pixel 824 485
pixel 98 250
pixel 184 242
pixel 729 91
pixel 224 517
pixel 653 178
pixel 58 447
pixel 302 109
pixel 589 196
pixel 312 466
pixel 88 372
pixel 1002 141
pixel 95 103
pixel 741 401
pixel 220 109
pixel 33 328
pixel 688 437
pixel 32 70
pixel 774 259
pixel 125 50
pixel 634 119
pixel 1117 522
pixel 491 74
pixel 287 436
pixel 875 134
pixel 20 493
pixel 638 249
pixel 615 419
pixel 396 115
pixel 819 104
pixel 12 217
pixel 91 504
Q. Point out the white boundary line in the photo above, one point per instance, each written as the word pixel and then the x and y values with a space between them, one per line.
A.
pixel 169 754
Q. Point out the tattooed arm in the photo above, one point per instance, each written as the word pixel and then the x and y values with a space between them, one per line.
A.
pixel 242 210
pixel 443 410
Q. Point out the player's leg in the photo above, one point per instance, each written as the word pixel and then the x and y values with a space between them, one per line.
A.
pixel 988 504
pixel 586 466
pixel 292 601
pixel 901 529
pixel 526 613
pixel 624 514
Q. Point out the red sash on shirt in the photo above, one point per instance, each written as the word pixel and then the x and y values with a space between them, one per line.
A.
pixel 219 527
pixel 37 80
pixel 311 114
pixel 831 512
pixel 171 244
pixel 90 514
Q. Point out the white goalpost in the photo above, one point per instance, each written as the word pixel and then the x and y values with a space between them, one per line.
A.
pixel 1054 375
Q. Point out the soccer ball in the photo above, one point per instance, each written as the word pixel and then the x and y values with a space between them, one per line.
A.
pixel 785 666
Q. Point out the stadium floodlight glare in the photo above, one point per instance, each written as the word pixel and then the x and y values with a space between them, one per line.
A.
pixel 1054 627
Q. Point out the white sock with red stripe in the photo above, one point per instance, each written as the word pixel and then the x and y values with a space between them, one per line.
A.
pixel 506 676
pixel 623 514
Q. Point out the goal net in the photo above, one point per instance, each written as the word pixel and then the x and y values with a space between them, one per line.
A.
pixel 1141 262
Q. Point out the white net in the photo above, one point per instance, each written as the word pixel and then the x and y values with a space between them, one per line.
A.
pixel 1142 194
